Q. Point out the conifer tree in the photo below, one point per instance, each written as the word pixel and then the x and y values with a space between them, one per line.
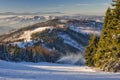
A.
pixel 91 50
pixel 115 14
pixel 107 55
pixel 108 17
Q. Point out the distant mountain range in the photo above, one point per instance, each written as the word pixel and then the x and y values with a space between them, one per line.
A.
pixel 28 13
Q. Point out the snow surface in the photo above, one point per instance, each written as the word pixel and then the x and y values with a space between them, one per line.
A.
pixel 84 30
pixel 50 71
pixel 71 58
pixel 24 44
pixel 70 41
pixel 27 37
pixel 27 34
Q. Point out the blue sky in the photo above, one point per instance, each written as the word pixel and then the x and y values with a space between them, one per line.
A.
pixel 97 7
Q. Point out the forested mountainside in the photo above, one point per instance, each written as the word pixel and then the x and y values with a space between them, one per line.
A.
pixel 48 41
pixel 104 52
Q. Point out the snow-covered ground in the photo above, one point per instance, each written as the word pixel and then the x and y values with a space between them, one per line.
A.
pixel 49 71
pixel 23 44
pixel 27 37
pixel 85 30
pixel 68 40
pixel 27 34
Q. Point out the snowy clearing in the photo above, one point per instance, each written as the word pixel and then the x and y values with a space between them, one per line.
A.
pixel 48 71
pixel 84 30
pixel 71 42
pixel 27 34
pixel 27 37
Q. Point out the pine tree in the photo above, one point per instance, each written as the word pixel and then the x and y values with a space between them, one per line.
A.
pixel 17 54
pixel 108 17
pixel 91 50
pixel 116 14
pixel 107 54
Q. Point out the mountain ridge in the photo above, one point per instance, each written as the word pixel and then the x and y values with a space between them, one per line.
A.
pixel 58 36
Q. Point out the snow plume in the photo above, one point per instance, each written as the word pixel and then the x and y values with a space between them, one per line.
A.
pixel 76 59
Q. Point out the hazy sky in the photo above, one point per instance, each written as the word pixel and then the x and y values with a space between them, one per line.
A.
pixel 97 7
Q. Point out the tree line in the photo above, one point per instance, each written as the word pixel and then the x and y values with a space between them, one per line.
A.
pixel 35 54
